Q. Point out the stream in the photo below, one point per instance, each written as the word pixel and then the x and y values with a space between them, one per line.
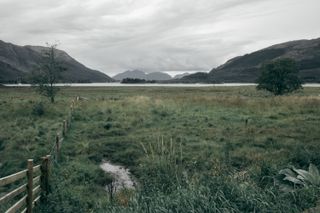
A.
pixel 121 175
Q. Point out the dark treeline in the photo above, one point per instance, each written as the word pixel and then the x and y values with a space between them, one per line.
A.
pixel 136 81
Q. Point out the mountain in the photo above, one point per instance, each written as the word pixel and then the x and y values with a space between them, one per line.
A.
pixel 199 77
pixel 138 74
pixel 130 74
pixel 158 76
pixel 245 69
pixel 181 75
pixel 16 62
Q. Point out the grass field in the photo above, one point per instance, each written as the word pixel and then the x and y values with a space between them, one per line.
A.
pixel 213 149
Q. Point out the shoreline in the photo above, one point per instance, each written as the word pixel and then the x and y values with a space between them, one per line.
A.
pixel 151 85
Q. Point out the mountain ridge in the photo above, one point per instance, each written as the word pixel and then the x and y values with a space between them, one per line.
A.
pixel 246 68
pixel 138 74
pixel 16 62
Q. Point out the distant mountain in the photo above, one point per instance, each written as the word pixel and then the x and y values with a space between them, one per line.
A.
pixel 246 68
pixel 181 75
pixel 130 74
pixel 199 77
pixel 16 62
pixel 158 76
pixel 138 74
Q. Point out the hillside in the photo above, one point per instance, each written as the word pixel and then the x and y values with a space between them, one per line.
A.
pixel 138 74
pixel 179 76
pixel 16 62
pixel 246 68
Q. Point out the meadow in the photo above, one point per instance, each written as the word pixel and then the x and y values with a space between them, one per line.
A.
pixel 211 149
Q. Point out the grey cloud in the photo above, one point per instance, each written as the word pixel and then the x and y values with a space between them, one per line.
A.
pixel 155 35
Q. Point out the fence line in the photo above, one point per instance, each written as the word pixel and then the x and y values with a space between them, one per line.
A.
pixel 37 185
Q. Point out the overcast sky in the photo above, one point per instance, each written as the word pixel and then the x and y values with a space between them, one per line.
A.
pixel 157 35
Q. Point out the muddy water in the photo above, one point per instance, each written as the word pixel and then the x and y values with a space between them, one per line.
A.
pixel 121 175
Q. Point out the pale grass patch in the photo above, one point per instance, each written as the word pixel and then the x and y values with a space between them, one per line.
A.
pixel 139 100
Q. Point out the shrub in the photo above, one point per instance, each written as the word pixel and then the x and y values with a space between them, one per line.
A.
pixel 38 109
pixel 300 177
pixel 279 77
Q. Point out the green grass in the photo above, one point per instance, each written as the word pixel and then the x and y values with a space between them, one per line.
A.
pixel 191 149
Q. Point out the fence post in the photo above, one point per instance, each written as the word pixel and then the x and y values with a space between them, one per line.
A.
pixel 64 129
pixel 49 169
pixel 72 105
pixel 57 146
pixel 44 178
pixel 71 112
pixel 71 109
pixel 70 120
pixel 30 186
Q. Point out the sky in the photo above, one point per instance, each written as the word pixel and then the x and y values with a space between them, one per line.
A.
pixel 157 35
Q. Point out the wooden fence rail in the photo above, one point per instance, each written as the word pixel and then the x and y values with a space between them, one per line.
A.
pixel 37 185
pixel 29 189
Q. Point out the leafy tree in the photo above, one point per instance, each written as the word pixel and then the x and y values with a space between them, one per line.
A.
pixel 48 73
pixel 279 77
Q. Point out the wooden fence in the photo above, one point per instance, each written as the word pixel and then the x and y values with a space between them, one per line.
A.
pixel 37 177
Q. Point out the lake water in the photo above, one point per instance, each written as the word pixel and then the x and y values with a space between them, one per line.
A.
pixel 151 85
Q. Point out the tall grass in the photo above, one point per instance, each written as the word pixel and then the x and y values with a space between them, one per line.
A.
pixel 168 186
pixel 190 149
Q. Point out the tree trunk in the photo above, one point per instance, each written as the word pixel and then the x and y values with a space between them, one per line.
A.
pixel 52 99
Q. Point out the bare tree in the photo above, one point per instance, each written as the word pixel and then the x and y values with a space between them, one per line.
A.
pixel 47 74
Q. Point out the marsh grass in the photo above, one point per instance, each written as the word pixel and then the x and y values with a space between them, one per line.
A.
pixel 191 149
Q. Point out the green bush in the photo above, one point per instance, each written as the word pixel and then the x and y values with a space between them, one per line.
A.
pixel 279 77
pixel 38 109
